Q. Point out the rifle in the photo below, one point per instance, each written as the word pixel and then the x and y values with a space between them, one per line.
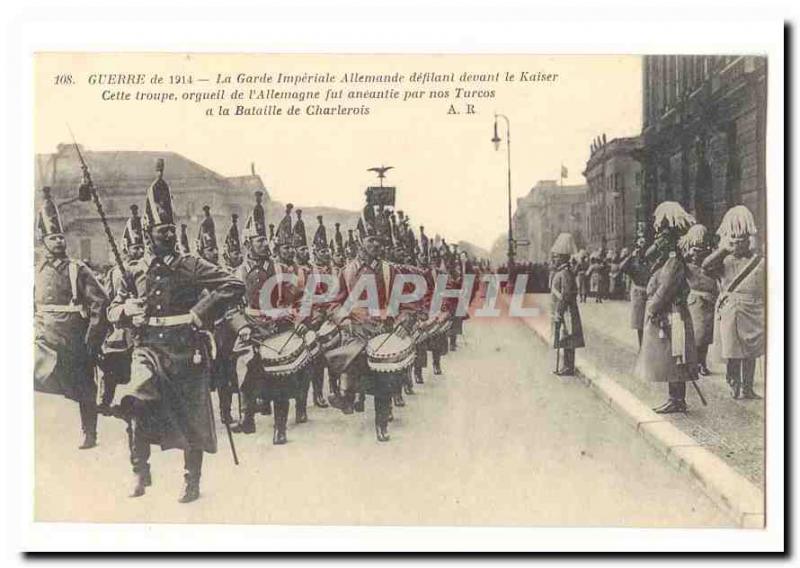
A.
pixel 88 192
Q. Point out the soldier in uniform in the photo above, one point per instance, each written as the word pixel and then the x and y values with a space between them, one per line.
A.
pixel 232 255
pixel 118 345
pixel 703 292
pixel 668 351
pixel 567 327
pixel 69 320
pixel 169 298
pixel 258 325
pixel 350 359
pixel 183 245
pixel 636 267
pixel 739 330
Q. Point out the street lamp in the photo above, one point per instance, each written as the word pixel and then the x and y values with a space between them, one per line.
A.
pixel 496 140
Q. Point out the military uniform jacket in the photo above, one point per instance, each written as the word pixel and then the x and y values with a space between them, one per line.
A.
pixel 668 348
pixel 564 305
pixel 740 322
pixel 170 367
pixel 637 270
pixel 68 329
pixel 703 291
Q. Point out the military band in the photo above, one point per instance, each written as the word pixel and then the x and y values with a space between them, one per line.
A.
pixel 170 327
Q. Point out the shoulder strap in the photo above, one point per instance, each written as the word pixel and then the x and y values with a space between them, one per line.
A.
pixel 744 273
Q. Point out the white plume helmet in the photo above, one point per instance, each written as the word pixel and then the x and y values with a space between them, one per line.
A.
pixel 673 215
pixel 564 244
pixel 695 237
pixel 738 221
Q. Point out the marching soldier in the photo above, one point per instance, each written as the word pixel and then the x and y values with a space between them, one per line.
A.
pixel 169 298
pixel 116 351
pixel 597 277
pixel 740 319
pixel 70 322
pixel 703 292
pixel 636 267
pixel 227 385
pixel 258 326
pixel 206 243
pixel 350 360
pixel 668 352
pixel 567 327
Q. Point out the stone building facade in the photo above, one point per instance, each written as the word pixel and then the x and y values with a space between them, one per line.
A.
pixel 704 134
pixel 122 179
pixel 613 176
pixel 547 210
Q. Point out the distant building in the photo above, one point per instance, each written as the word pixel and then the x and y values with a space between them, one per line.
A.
pixel 122 178
pixel 547 210
pixel 614 179
pixel 704 134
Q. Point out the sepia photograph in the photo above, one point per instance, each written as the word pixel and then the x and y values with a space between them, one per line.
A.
pixel 323 290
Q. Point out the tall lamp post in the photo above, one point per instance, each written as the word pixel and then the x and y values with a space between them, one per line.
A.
pixel 496 140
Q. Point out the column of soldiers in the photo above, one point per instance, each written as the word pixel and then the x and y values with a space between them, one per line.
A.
pixel 684 299
pixel 169 327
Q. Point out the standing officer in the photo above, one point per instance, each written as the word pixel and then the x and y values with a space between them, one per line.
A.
pixel 740 309
pixel 169 298
pixel 703 292
pixel 567 327
pixel 636 267
pixel 668 351
pixel 70 322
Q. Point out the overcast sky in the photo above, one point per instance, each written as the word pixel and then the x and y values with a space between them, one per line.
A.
pixel 447 173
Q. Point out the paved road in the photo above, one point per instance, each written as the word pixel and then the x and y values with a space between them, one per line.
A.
pixel 496 440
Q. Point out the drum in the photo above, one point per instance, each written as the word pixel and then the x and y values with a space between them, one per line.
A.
pixel 312 343
pixel 283 354
pixel 390 353
pixel 329 336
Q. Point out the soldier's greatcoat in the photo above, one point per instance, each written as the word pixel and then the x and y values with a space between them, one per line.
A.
pixel 564 295
pixel 668 348
pixel 636 268
pixel 703 293
pixel 739 326
pixel 68 329
pixel 170 368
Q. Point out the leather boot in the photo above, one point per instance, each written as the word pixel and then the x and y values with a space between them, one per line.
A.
pixel 408 383
pixel 193 464
pixel 672 406
pixel 247 425
pixel 733 376
pixel 266 408
pixel 300 412
pixel 748 376
pixel 281 418
pixel 437 363
pixel 453 345
pixel 418 376
pixel 360 403
pixel 398 399
pixel 382 405
pixel 139 457
pixel 343 402
pixel 88 412
pixel 317 384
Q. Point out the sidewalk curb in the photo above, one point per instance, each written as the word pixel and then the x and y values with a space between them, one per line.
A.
pixel 731 491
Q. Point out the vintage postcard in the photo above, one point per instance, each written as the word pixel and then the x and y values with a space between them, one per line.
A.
pixel 503 290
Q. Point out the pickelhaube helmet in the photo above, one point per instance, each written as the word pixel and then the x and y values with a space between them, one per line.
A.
pixel 320 241
pixel 133 235
pixel 283 235
pixel 158 209
pixel 299 238
pixel 232 243
pixel 255 225
pixel 49 219
pixel 184 240
pixel 207 233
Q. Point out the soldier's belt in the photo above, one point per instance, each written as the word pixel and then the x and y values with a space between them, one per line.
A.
pixel 59 308
pixel 167 321
pixel 254 312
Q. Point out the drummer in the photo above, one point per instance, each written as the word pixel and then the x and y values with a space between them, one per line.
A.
pixel 359 327
pixel 257 326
